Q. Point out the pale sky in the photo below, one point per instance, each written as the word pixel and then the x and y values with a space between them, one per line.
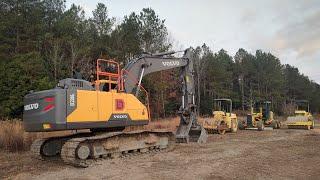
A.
pixel 289 29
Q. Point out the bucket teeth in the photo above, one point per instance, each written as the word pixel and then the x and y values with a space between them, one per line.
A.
pixel 191 133
pixel 203 136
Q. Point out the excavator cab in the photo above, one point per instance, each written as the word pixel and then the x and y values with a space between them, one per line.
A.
pixel 108 74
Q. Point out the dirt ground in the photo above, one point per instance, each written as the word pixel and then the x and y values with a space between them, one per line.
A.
pixel 248 154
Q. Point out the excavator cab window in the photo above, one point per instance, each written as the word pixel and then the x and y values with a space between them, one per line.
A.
pixel 108 74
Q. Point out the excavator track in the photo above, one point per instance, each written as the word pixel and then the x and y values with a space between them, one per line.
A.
pixel 46 148
pixel 82 151
pixel 36 148
pixel 68 153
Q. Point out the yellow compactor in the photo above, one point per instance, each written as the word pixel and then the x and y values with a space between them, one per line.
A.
pixel 302 118
pixel 260 117
pixel 223 119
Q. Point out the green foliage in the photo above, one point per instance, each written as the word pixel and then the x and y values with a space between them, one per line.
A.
pixel 101 20
pixel 153 32
pixel 250 78
pixel 19 76
pixel 126 37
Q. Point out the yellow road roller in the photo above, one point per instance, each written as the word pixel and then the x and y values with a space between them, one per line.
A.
pixel 302 118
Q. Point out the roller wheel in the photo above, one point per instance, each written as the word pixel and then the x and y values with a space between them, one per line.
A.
pixel 221 131
pixel 312 127
pixel 260 126
pixel 240 125
pixel 83 152
pixel 234 125
pixel 308 127
pixel 275 124
pixel 279 124
pixel 51 148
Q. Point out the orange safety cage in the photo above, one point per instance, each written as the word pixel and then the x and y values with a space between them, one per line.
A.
pixel 108 72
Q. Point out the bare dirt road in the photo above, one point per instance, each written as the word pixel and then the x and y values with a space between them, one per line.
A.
pixel 277 154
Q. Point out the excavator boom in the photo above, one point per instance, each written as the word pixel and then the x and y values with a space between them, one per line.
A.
pixel 189 129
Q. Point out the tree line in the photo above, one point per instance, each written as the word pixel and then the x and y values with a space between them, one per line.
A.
pixel 42 42
pixel 249 78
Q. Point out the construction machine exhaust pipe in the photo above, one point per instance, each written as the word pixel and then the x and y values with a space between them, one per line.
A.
pixel 190 131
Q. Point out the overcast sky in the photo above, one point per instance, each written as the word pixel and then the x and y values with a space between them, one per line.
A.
pixel 290 29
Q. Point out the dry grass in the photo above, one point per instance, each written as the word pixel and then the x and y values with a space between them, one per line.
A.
pixel 12 136
pixel 170 124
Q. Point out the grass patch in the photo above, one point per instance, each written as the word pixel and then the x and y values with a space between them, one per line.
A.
pixel 12 136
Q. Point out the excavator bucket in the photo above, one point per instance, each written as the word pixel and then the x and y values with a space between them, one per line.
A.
pixel 190 132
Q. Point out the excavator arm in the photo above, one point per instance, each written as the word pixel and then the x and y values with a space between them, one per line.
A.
pixel 133 73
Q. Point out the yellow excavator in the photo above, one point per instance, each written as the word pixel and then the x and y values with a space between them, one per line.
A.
pixel 302 118
pixel 106 108
pixel 223 119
